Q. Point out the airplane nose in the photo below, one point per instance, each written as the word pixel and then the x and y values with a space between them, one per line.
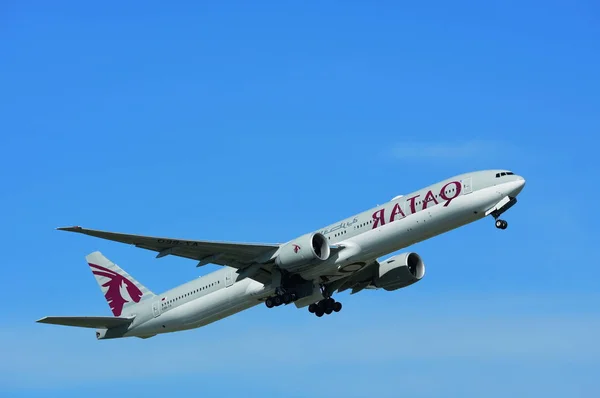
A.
pixel 519 184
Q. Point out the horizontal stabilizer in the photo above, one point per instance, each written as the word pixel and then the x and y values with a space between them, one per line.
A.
pixel 95 322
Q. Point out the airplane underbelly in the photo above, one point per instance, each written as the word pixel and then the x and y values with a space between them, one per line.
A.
pixel 213 304
pixel 204 310
pixel 234 308
pixel 223 303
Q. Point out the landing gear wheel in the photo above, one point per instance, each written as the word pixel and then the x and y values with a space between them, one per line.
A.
pixel 287 298
pixel 501 224
pixel 269 303
pixel 325 306
pixel 277 301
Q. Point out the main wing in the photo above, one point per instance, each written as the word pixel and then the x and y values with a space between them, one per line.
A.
pixel 237 255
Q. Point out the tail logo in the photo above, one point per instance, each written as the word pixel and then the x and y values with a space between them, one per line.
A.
pixel 116 288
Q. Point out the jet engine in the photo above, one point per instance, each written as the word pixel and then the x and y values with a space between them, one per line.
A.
pixel 307 249
pixel 399 271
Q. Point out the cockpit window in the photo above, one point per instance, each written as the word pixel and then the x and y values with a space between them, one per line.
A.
pixel 504 173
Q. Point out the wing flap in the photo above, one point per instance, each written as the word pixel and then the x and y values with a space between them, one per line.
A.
pixel 95 322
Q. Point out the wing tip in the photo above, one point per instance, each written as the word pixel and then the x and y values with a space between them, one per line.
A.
pixel 75 228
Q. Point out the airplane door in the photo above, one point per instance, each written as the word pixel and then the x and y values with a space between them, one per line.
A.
pixel 467 187
pixel 156 309
pixel 228 278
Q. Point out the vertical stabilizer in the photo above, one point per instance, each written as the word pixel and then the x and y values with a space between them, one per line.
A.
pixel 120 290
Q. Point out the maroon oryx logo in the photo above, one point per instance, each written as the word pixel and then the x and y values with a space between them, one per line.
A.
pixel 114 285
pixel 296 248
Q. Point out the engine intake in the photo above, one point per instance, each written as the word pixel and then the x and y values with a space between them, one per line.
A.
pixel 305 250
pixel 399 271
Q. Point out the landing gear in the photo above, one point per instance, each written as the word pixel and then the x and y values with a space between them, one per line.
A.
pixel 337 307
pixel 287 298
pixel 501 224
pixel 325 307
pixel 277 300
pixel 500 208
pixel 269 302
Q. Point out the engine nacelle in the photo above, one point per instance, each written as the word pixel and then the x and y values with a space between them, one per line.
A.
pixel 399 271
pixel 307 249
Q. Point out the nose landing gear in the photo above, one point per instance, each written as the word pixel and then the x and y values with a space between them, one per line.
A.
pixel 501 224
pixel 325 306
pixel 506 203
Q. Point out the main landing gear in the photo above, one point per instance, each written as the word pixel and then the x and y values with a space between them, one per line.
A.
pixel 277 300
pixel 501 224
pixel 325 306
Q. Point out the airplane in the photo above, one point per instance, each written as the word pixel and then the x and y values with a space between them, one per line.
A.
pixel 306 271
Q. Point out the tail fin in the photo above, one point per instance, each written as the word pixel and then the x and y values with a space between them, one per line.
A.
pixel 119 288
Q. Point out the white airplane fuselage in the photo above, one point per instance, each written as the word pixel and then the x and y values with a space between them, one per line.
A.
pixel 377 232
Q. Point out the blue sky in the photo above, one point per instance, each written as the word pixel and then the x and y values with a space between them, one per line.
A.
pixel 263 121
